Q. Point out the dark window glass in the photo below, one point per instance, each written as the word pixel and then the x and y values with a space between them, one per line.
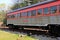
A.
pixel 53 9
pixel 33 13
pixel 28 13
pixel 15 15
pixel 24 14
pixel 45 10
pixel 18 15
pixel 12 16
pixel 39 11
pixel 9 16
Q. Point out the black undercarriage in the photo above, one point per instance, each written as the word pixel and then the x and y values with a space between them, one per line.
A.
pixel 53 29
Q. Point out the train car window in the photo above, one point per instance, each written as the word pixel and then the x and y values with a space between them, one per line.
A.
pixel 53 9
pixel 15 15
pixel 9 16
pixel 24 14
pixel 18 15
pixel 33 12
pixel 45 10
pixel 39 11
pixel 12 16
pixel 28 13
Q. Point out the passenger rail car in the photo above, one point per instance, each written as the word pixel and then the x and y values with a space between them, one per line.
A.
pixel 45 15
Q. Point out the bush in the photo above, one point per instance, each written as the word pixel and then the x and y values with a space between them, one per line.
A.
pixel 4 21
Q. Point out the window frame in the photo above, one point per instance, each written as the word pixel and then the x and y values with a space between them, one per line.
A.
pixel 29 13
pixel 40 11
pixel 46 12
pixel 51 11
pixel 17 15
pixel 59 8
pixel 9 16
pixel 22 14
pixel 33 13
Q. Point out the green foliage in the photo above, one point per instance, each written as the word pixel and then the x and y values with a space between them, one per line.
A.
pixel 4 21
pixel 25 3
pixel 18 5
pixel 2 5
pixel 22 4
pixel 15 6
pixel 34 1
pixel 2 16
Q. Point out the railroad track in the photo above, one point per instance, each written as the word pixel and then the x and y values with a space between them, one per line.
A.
pixel 34 33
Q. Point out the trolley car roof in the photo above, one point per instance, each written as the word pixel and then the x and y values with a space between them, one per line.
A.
pixel 32 5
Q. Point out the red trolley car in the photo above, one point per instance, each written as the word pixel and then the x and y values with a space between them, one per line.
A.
pixel 45 15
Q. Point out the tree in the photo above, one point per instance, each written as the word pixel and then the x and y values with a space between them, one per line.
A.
pixel 2 5
pixel 2 15
pixel 34 1
pixel 15 6
pixel 23 4
pixel 19 5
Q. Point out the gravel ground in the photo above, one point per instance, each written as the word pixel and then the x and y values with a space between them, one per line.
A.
pixel 40 37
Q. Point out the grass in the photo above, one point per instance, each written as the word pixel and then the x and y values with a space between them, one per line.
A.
pixel 7 36
pixel 10 36
pixel 26 38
